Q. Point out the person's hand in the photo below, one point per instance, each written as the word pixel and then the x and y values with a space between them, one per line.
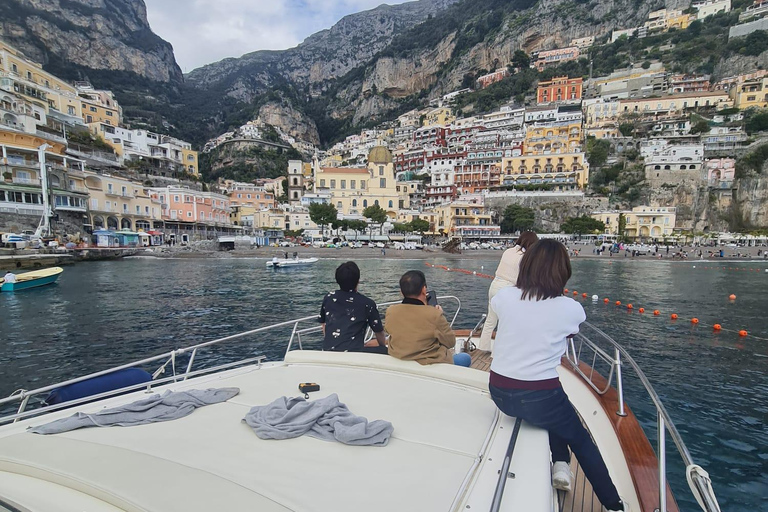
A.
pixel 439 307
pixel 372 343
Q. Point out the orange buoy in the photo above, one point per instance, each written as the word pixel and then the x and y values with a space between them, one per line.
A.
pixel 674 316
pixel 694 320
pixel 629 306
pixel 717 327
pixel 584 295
pixel 742 333
pixel 566 290
pixel 618 303
pixel 656 312
pixel 732 297
pixel 642 310
pixel 605 300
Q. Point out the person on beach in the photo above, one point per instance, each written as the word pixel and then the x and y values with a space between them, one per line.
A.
pixel 535 322
pixel 417 331
pixel 9 277
pixel 506 275
pixel 346 314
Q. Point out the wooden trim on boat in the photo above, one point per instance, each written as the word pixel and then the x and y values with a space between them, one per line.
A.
pixel 638 452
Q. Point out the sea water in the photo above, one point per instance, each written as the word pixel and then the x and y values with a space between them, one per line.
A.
pixel 714 384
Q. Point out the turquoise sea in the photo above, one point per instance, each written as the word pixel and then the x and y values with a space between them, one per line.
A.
pixel 714 385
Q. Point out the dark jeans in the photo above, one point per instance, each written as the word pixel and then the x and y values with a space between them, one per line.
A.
pixel 550 409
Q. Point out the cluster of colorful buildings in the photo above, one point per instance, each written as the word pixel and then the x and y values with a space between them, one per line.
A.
pixel 67 143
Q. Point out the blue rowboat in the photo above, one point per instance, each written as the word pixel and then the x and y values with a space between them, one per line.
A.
pixel 32 279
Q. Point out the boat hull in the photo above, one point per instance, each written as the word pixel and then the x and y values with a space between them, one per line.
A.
pixel 33 282
pixel 291 263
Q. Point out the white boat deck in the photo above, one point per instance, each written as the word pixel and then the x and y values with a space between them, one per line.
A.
pixel 447 447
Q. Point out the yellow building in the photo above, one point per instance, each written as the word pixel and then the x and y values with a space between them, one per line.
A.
pixel 642 222
pixel 120 203
pixel 353 189
pixel 99 106
pixel 21 186
pixel 674 103
pixel 441 116
pixel 563 171
pixel 25 77
pixel 565 136
pixel 462 219
pixel 751 93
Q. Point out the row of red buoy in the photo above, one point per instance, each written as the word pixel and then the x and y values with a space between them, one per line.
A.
pixel 630 307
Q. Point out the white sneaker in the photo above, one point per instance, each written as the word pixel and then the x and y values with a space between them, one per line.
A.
pixel 562 478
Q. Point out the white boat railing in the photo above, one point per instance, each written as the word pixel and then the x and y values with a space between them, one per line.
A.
pixel 166 359
pixel 583 345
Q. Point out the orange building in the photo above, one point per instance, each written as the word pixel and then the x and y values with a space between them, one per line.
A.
pixel 560 88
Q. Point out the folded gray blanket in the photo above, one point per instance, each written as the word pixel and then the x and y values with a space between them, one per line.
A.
pixel 324 418
pixel 171 405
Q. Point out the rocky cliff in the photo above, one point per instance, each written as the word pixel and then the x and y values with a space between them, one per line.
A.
pixel 74 37
pixel 294 123
pixel 323 56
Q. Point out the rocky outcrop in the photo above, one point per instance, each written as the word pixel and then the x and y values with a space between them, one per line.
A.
pixel 290 121
pixel 550 211
pixel 102 35
pixel 326 55
pixel 738 64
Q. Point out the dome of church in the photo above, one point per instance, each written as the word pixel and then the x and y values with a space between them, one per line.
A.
pixel 380 155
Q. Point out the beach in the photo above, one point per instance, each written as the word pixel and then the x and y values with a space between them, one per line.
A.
pixel 577 250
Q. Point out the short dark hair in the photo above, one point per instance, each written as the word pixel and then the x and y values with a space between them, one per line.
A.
pixel 527 239
pixel 544 270
pixel 348 276
pixel 412 283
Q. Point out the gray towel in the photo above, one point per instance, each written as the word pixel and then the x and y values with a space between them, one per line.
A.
pixel 171 405
pixel 324 418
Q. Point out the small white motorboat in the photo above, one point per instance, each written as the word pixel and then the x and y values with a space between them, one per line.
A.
pixel 291 262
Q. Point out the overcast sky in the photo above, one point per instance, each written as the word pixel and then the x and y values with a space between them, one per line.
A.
pixel 205 31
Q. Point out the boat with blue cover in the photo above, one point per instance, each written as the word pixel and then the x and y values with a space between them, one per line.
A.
pixel 32 279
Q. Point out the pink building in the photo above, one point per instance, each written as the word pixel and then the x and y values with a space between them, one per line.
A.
pixel 486 80
pixel 720 171
pixel 554 57
pixel 187 211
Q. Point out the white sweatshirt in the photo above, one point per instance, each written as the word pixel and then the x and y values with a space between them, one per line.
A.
pixel 509 266
pixel 531 334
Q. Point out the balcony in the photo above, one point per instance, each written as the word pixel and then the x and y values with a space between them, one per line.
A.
pixel 26 181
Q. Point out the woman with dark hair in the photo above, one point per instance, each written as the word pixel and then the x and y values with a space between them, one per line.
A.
pixel 506 275
pixel 535 320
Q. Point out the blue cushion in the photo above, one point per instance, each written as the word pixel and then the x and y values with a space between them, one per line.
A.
pixel 109 382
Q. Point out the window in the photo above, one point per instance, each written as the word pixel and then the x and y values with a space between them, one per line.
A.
pixel 189 214
pixel 322 183
pixel 109 113
pixel 94 204
pixel 176 199
pixel 71 110
pixel 338 206
pixel 109 188
pixel 138 210
pixel 343 184
pixel 92 109
pixel 14 68
pixel 381 170
pixel 124 191
pixel 88 119
pixel 365 203
pixel 383 182
pixel 376 202
pixel 125 208
pixel 362 185
pixel 146 210
pixel 390 204
pixel 354 203
pixel 29 75
pixel 333 183
pixel 352 184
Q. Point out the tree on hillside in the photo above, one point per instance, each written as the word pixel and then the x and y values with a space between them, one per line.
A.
pixel 582 225
pixel 420 225
pixel 377 214
pixel 520 59
pixel 757 122
pixel 701 126
pixel 323 214
pixel 517 218
pixel 597 151
pixel 402 227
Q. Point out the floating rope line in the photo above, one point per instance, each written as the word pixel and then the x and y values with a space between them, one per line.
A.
pixel 629 307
